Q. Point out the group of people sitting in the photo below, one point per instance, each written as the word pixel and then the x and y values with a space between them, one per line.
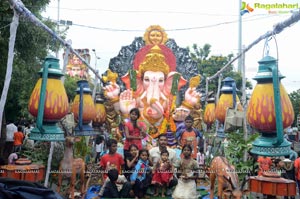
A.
pixel 157 171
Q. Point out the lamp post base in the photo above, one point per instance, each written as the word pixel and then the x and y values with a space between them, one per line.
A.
pixel 264 146
pixel 49 132
pixel 86 130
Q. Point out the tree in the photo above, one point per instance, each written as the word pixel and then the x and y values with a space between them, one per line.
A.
pixel 31 47
pixel 295 99
pixel 208 66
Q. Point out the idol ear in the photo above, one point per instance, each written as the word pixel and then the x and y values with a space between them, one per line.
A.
pixel 173 76
pixel 138 79
pixel 126 80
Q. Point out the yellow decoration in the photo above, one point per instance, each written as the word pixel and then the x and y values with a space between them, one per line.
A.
pixel 163 126
pixel 154 61
pixel 172 125
pixel 152 29
pixel 195 81
pixel 187 105
pixel 111 76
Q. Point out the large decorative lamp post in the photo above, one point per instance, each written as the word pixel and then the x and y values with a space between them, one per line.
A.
pixel 83 109
pixel 209 113
pixel 270 110
pixel 228 99
pixel 48 102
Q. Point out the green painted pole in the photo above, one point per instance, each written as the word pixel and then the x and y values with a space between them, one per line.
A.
pixel 41 107
pixel 277 104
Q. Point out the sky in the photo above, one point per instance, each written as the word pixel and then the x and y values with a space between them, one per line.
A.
pixel 106 26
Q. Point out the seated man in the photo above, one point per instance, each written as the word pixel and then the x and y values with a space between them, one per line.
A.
pixel 115 186
pixel 155 156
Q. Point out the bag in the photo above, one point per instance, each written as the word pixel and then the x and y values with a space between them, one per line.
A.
pixel 92 192
pixel 233 120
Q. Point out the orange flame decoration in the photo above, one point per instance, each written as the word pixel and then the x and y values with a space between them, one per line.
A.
pixel 225 101
pixel 100 114
pixel 261 113
pixel 89 111
pixel 209 114
pixel 56 103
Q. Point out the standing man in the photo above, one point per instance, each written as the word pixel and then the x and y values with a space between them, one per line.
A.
pixel 155 156
pixel 18 139
pixel 11 128
pixel 297 171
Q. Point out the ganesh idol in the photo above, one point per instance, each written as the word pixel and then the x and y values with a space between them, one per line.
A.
pixel 150 89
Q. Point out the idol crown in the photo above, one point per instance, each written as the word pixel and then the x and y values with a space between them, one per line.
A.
pixel 154 61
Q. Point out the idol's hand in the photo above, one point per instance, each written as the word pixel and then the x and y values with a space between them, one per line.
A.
pixel 127 102
pixel 192 96
pixel 112 91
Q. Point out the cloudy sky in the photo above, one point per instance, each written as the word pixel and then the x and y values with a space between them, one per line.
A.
pixel 106 26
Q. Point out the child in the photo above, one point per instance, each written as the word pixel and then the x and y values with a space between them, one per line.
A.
pixel 140 177
pixel 201 162
pixel 112 160
pixel 131 160
pixel 189 135
pixel 201 158
pixel 186 187
pixel 99 147
pixel 163 173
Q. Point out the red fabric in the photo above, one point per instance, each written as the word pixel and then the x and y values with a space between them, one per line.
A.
pixel 18 138
pixel 162 175
pixel 109 161
pixel 190 138
pixel 134 132
pixel 297 168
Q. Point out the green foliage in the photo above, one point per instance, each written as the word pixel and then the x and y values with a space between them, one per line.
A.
pixel 208 66
pixel 235 150
pixel 40 153
pixel 31 47
pixel 71 86
pixel 295 99
pixel 82 148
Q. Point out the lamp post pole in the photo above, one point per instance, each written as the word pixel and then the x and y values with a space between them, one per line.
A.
pixel 240 38
pixel 96 79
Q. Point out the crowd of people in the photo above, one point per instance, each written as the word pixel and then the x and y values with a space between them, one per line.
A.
pixel 139 172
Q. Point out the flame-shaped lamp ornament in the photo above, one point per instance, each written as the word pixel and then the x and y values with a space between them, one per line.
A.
pixel 100 112
pixel 84 109
pixel 209 113
pixel 270 110
pixel 228 99
pixel 48 102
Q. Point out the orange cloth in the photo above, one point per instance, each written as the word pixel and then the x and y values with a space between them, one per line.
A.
pixel 190 138
pixel 18 138
pixel 264 163
pixel 297 168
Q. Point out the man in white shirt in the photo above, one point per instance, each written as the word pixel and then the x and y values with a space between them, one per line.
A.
pixel 155 151
pixel 11 128
pixel 155 156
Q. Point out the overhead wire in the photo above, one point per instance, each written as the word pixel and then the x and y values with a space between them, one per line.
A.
pixel 175 29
